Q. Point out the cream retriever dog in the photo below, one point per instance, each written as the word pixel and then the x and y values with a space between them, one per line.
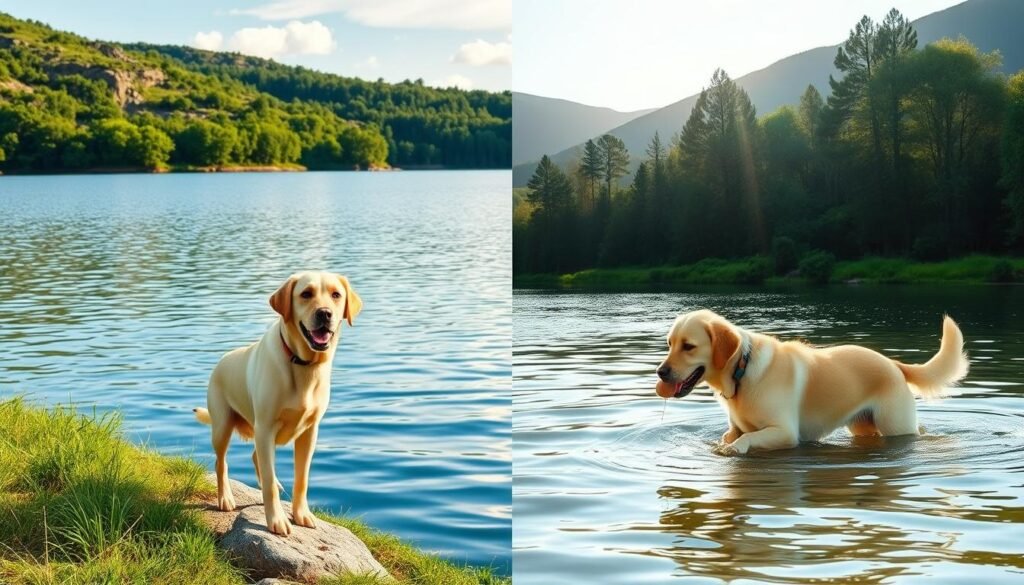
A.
pixel 777 393
pixel 277 389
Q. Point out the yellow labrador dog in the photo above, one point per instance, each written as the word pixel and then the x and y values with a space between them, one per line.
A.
pixel 277 389
pixel 779 393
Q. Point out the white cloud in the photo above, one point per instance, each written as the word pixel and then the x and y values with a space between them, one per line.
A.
pixel 480 52
pixel 294 38
pixel 454 80
pixel 369 63
pixel 417 14
pixel 209 41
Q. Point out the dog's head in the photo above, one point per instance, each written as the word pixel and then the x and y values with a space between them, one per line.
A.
pixel 312 305
pixel 700 344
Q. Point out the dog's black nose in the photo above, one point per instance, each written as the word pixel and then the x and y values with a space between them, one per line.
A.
pixel 323 315
pixel 663 372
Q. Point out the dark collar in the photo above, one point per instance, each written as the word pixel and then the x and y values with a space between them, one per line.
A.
pixel 747 348
pixel 291 354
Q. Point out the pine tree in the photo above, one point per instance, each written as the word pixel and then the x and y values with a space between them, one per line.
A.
pixel 590 167
pixel 614 160
pixel 811 105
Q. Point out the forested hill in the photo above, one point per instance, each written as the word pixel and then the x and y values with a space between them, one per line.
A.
pixel 70 103
pixel 424 125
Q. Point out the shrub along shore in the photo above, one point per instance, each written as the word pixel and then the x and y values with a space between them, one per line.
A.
pixel 80 504
pixel 814 268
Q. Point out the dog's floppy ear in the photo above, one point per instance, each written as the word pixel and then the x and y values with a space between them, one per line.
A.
pixel 281 300
pixel 724 343
pixel 353 304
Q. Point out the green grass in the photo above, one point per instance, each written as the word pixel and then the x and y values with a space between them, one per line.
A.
pixel 80 505
pixel 977 269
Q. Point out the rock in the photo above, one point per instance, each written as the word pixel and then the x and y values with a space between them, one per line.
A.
pixel 124 83
pixel 113 52
pixel 306 555
pixel 16 86
pixel 10 42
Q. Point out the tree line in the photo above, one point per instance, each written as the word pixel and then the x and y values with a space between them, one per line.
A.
pixel 916 152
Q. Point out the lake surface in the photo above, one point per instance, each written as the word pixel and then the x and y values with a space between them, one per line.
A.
pixel 123 291
pixel 613 485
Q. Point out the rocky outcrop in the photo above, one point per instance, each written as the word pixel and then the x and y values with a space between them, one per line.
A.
pixel 15 86
pixel 305 555
pixel 11 42
pixel 125 84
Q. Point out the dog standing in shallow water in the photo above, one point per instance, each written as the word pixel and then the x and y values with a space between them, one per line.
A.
pixel 277 389
pixel 779 393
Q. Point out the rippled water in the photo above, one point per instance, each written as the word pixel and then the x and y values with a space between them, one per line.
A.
pixel 122 291
pixel 613 485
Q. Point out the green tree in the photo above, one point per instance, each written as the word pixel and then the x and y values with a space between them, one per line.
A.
pixel 811 105
pixel 614 160
pixel 550 194
pixel 1013 157
pixel 153 148
pixel 857 59
pixel 590 167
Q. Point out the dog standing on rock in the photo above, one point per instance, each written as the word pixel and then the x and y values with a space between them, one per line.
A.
pixel 277 389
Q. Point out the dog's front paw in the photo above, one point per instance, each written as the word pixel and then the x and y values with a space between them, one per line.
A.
pixel 730 435
pixel 303 517
pixel 226 502
pixel 278 524
pixel 737 447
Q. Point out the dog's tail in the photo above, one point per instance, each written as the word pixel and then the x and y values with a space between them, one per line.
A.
pixel 946 368
pixel 202 415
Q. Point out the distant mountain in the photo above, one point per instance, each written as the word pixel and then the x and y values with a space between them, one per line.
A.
pixel 550 125
pixel 989 24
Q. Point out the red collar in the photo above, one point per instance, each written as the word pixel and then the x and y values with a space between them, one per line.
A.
pixel 291 354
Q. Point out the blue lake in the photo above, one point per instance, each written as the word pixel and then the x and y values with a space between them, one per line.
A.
pixel 122 292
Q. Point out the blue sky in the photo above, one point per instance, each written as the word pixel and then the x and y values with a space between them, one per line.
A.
pixel 444 42
pixel 636 54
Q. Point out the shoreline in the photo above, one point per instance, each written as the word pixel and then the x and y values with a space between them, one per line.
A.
pixel 296 168
pixel 64 467
pixel 976 270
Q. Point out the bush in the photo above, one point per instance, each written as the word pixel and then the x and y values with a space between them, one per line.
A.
pixel 817 266
pixel 1002 272
pixel 784 255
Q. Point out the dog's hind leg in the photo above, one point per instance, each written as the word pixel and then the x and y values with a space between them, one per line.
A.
pixel 222 423
pixel 895 414
pixel 221 436
pixel 863 424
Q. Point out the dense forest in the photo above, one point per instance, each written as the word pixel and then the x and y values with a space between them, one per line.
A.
pixel 916 152
pixel 69 103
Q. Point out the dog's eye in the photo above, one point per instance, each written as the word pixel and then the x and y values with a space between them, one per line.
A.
pixel 688 346
pixel 335 295
pixel 307 294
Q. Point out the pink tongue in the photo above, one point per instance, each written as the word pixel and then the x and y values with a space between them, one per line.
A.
pixel 665 389
pixel 320 336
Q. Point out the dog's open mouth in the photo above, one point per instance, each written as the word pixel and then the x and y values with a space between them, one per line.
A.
pixel 683 388
pixel 319 338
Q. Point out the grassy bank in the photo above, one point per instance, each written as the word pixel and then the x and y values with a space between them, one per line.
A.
pixel 758 270
pixel 79 504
